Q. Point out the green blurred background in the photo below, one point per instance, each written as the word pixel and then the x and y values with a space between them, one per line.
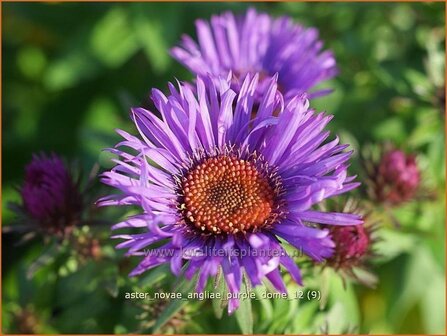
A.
pixel 72 70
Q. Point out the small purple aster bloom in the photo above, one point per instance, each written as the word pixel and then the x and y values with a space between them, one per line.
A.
pixel 50 196
pixel 223 185
pixel 258 43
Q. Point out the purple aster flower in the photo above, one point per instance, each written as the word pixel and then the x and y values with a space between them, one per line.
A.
pixel 50 196
pixel 258 43
pixel 221 189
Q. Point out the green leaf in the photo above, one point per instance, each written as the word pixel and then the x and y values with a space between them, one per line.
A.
pixel 120 330
pixel 151 36
pixel 69 71
pixel 306 317
pixel 171 309
pixel 433 305
pixel 346 297
pixel 267 309
pixel 392 243
pixel 111 286
pixel 333 322
pixel 418 81
pixel 220 304
pixel 113 41
pixel 391 129
pixel 174 306
pixel 418 276
pixel 155 276
pixel 244 314
pixel 31 61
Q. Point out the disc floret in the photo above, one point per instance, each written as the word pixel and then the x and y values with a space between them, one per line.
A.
pixel 230 193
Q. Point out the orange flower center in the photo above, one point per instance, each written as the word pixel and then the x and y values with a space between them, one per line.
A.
pixel 225 194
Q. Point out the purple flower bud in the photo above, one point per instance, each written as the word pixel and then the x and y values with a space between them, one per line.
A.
pixel 49 194
pixel 400 175
pixel 351 245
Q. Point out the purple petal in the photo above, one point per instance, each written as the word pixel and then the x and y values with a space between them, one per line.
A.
pixel 333 218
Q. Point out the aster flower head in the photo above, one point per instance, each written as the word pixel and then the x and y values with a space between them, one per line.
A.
pixel 256 42
pixel 354 245
pixel 354 249
pixel 50 196
pixel 351 243
pixel 228 184
pixel 400 174
pixel 394 176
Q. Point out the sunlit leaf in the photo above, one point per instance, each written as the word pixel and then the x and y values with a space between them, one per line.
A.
pixel 244 314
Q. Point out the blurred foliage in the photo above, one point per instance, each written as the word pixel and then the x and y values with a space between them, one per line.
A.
pixel 71 71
